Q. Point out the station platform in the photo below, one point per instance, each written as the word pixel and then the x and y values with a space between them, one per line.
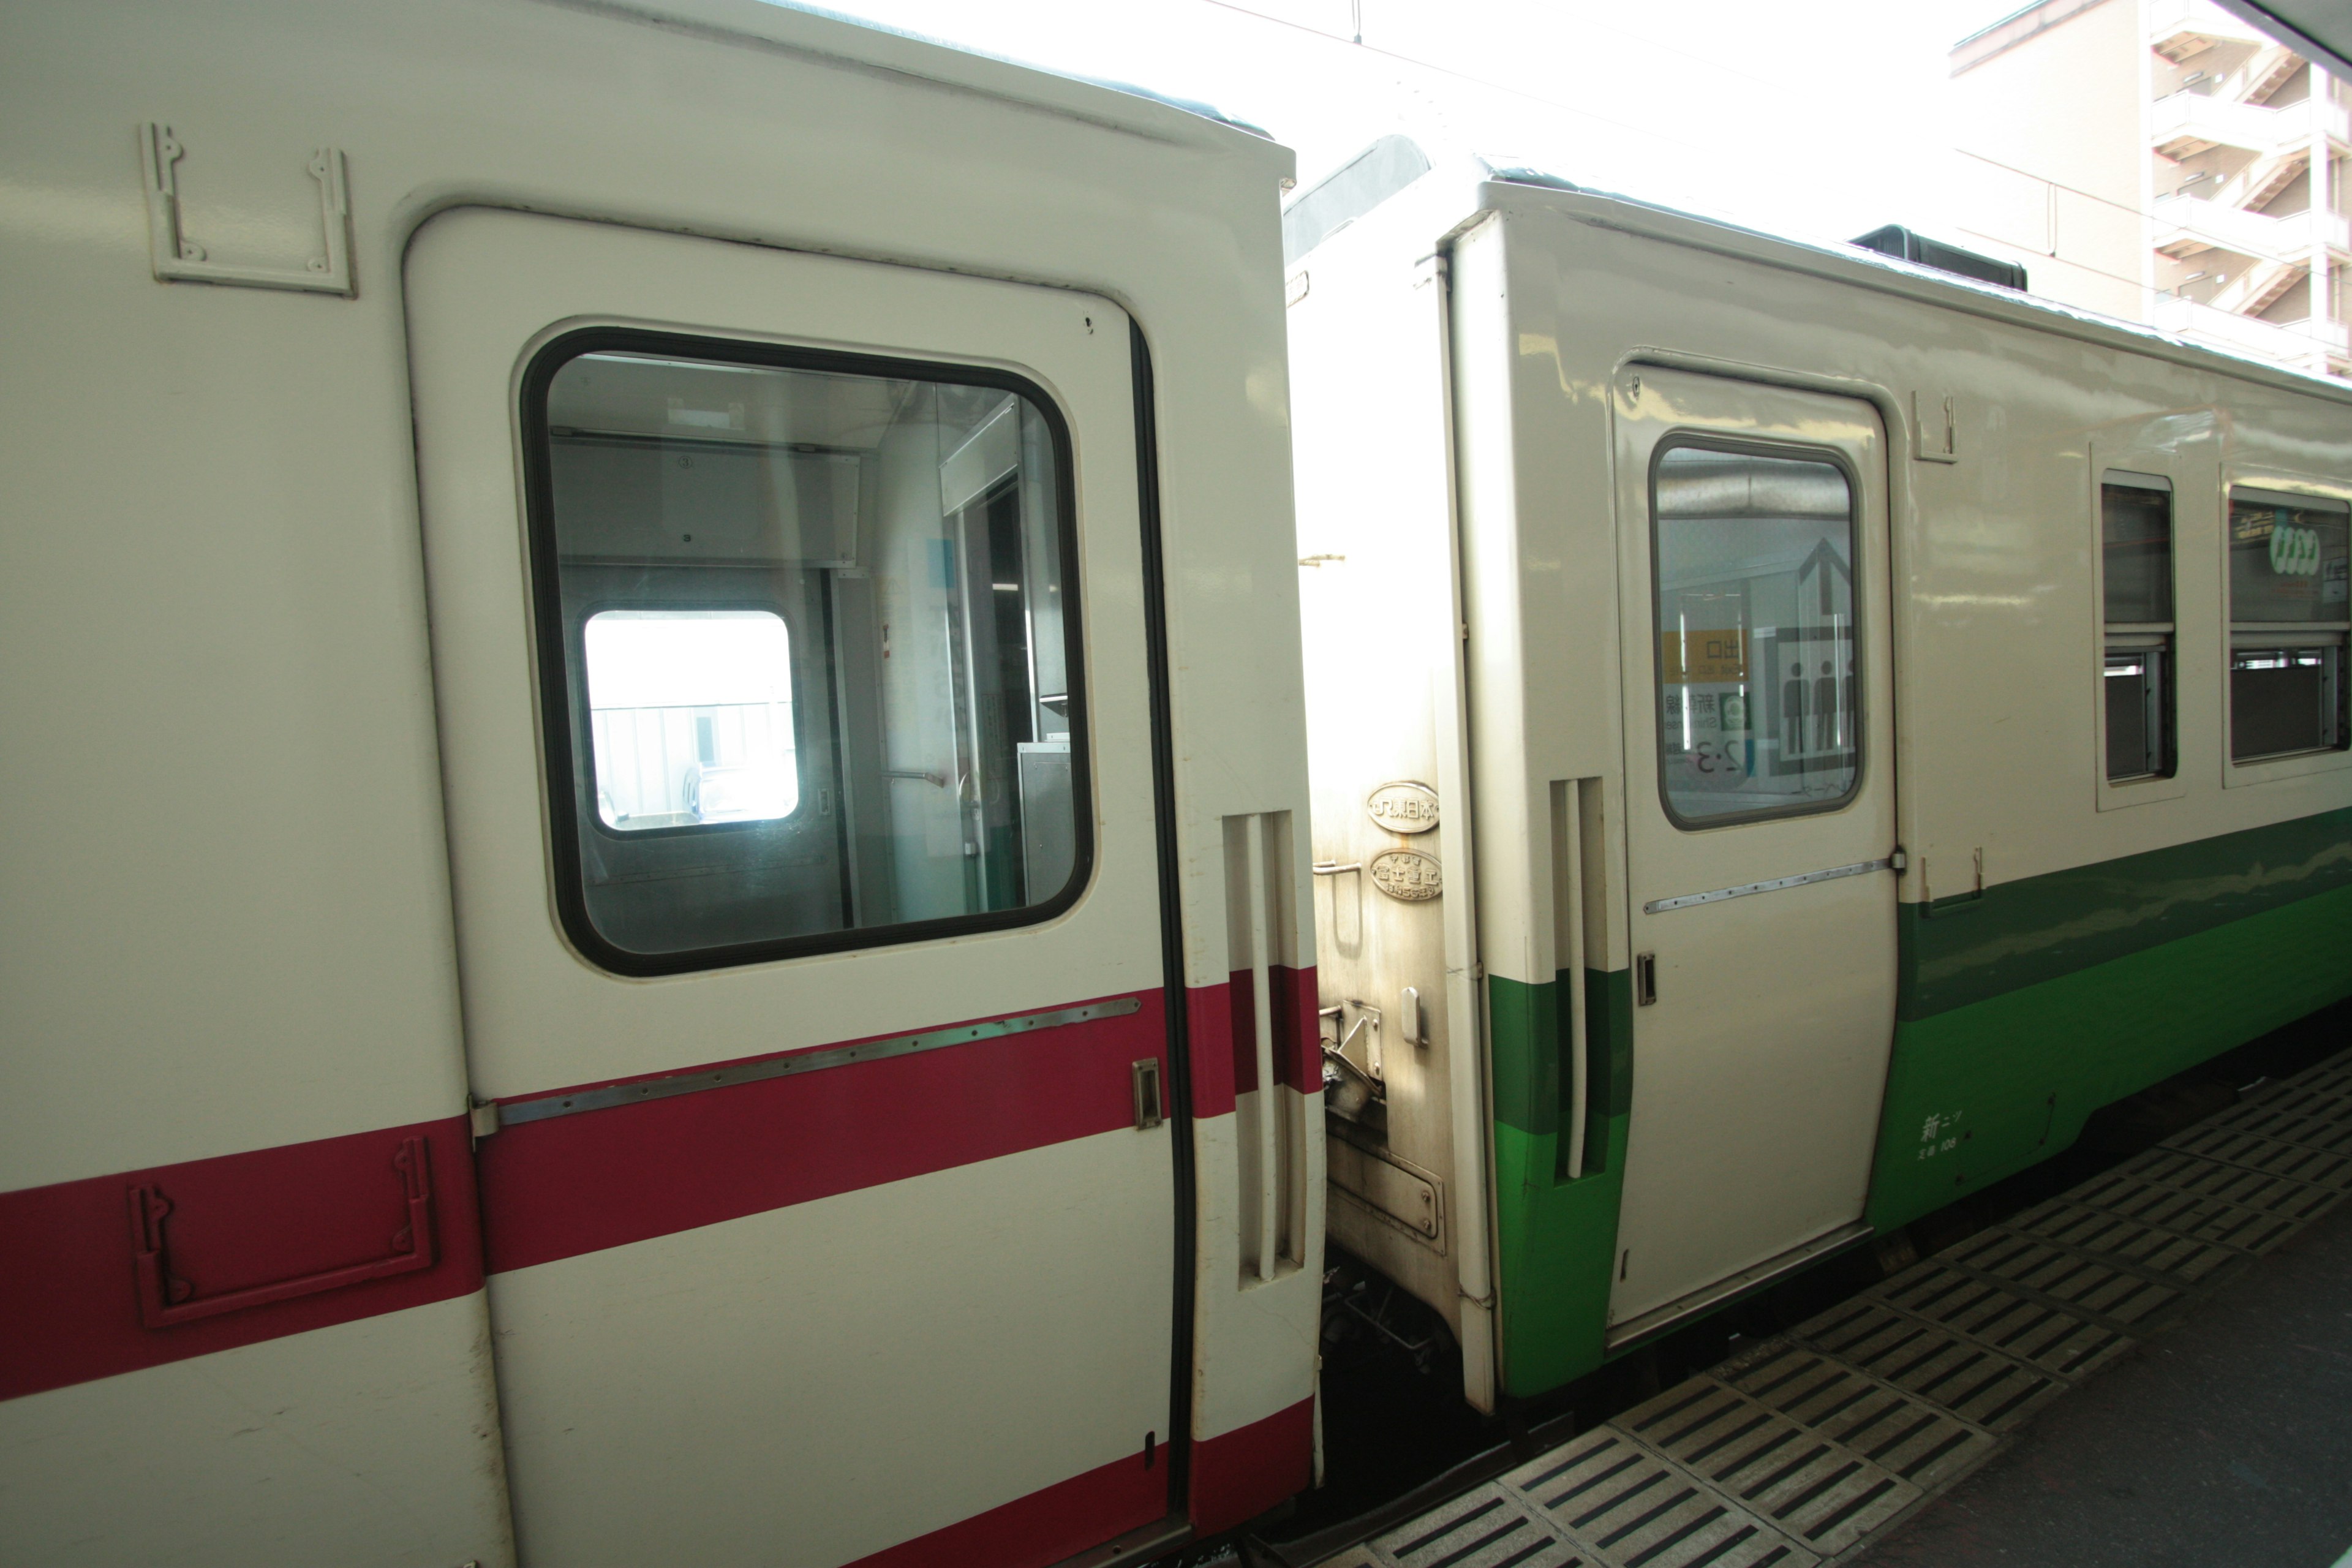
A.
pixel 2153 1367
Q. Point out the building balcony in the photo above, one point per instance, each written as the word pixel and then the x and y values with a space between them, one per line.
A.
pixel 2187 225
pixel 2179 28
pixel 2302 345
pixel 2186 123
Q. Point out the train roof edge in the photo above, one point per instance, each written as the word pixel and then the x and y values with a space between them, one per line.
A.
pixel 1368 182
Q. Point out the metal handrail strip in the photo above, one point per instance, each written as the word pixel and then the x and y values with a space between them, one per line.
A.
pixel 1860 867
pixel 543 1107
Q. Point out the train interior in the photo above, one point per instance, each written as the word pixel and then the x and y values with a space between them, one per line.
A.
pixel 816 657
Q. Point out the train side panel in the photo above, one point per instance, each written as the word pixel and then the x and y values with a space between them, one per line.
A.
pixel 2062 938
pixel 240 1135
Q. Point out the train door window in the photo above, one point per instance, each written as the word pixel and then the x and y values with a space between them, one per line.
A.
pixel 2137 612
pixel 2289 622
pixel 1760 685
pixel 808 646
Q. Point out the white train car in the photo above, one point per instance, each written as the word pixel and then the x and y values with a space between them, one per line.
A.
pixel 1793 734
pixel 660 911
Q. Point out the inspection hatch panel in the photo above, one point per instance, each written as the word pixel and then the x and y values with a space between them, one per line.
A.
pixel 2183 1259
pixel 1487 1528
pixel 1913 1440
pixel 1972 1381
pixel 1629 1508
pixel 1811 1486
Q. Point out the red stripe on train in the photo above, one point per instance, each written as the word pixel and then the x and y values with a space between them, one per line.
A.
pixel 1225 1041
pixel 600 1179
pixel 1240 1475
pixel 1236 1477
pixel 238 1249
pixel 1048 1526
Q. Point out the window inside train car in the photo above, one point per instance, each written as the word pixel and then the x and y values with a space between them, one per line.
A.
pixel 1760 687
pixel 2136 573
pixel 808 648
pixel 2289 621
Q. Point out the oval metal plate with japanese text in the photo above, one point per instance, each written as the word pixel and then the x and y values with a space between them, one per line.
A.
pixel 1403 807
pixel 1407 874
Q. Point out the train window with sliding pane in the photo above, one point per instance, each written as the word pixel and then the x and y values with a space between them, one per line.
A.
pixel 2289 623
pixel 2137 673
pixel 1760 688
pixel 809 666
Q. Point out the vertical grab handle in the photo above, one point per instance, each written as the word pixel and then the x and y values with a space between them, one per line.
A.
pixel 1259 906
pixel 1578 919
pixel 1257 955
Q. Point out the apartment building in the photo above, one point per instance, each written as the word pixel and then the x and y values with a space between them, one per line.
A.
pixel 2161 160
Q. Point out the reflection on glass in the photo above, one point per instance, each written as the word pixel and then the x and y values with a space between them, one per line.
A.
pixel 2285 699
pixel 1759 678
pixel 2136 568
pixel 2289 620
pixel 2288 558
pixel 817 650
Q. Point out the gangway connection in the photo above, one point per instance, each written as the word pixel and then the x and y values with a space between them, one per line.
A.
pixel 1811 1445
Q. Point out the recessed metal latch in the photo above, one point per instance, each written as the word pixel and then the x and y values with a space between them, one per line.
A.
pixel 178 259
pixel 1149 1112
pixel 1646 979
pixel 1934 430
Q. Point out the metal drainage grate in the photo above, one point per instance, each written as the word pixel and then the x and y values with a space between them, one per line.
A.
pixel 1488 1528
pixel 2120 1299
pixel 2328 1127
pixel 1977 1385
pixel 2295 1162
pixel 1915 1440
pixel 2235 1184
pixel 1632 1509
pixel 2249 1225
pixel 1816 1489
pixel 2149 1248
pixel 2050 1337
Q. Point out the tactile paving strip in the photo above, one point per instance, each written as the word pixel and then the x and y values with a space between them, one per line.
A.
pixel 1802 1448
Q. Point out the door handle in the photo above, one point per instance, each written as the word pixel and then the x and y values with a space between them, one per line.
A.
pixel 1646 979
pixel 1149 1113
pixel 166 1301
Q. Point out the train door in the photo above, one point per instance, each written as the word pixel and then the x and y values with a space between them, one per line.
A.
pixel 789 654
pixel 1760 817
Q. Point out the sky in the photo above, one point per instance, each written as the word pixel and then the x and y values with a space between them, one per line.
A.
pixel 1821 119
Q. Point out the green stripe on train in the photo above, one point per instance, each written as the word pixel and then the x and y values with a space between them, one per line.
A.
pixel 2020 1013
pixel 1556 1236
pixel 1981 1092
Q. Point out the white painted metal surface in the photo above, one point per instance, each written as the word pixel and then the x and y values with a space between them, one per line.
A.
pixel 238 914
pixel 1765 1052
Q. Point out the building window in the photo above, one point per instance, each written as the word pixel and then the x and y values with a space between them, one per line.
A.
pixel 2136 569
pixel 810 659
pixel 690 715
pixel 2289 621
pixel 1759 686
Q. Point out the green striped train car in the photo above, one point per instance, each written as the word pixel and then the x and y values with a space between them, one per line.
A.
pixel 1793 734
